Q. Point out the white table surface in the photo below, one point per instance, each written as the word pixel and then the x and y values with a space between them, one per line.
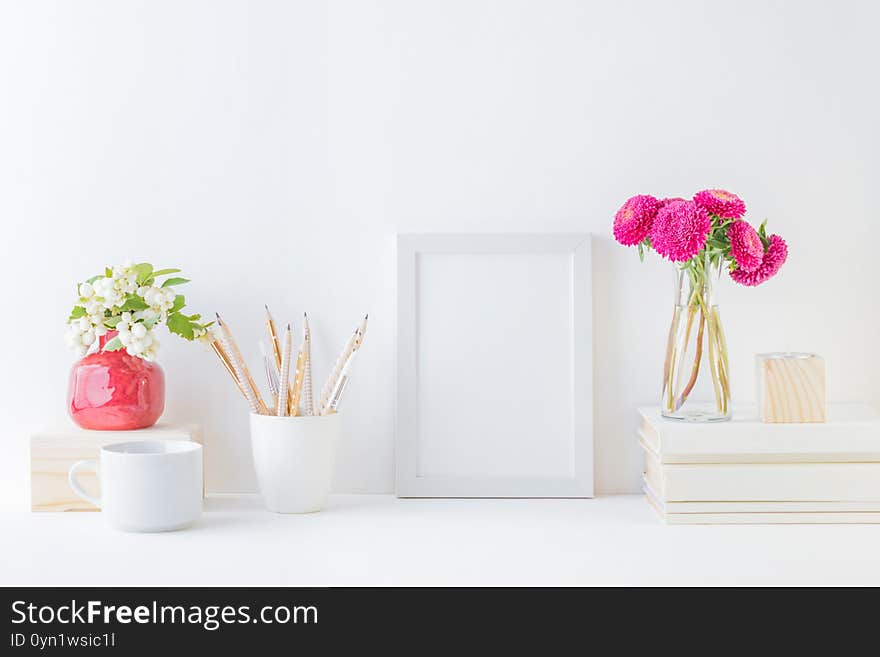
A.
pixel 380 540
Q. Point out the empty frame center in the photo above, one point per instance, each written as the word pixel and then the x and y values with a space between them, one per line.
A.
pixel 494 365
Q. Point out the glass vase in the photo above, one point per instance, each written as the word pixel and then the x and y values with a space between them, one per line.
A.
pixel 696 376
pixel 113 391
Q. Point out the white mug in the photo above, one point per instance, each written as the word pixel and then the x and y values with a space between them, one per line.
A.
pixel 147 486
pixel 294 458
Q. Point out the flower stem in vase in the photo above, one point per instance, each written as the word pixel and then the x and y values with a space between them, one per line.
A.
pixel 715 364
pixel 682 354
pixel 695 370
pixel 722 359
pixel 671 356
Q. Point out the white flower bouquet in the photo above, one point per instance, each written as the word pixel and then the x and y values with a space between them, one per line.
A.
pixel 131 300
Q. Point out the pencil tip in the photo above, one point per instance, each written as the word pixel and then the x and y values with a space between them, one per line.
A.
pixel 366 317
pixel 217 315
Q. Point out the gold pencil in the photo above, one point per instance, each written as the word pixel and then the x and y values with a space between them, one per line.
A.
pixel 298 375
pixel 284 384
pixel 308 398
pixel 240 367
pixel 273 338
pixel 224 358
pixel 239 374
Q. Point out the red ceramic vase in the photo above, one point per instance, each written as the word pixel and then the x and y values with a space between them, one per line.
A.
pixel 111 390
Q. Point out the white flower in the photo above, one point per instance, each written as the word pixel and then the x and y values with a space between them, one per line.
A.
pixel 150 353
pixel 128 282
pixel 158 299
pixel 80 336
pixel 135 329
pixel 104 287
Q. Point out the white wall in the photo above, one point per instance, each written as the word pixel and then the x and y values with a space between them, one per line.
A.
pixel 272 149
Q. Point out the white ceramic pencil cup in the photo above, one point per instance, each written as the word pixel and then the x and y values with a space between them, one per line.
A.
pixel 294 459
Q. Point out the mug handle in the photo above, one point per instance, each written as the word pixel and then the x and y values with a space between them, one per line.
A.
pixel 74 484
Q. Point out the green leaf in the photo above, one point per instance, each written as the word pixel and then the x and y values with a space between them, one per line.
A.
pixel 718 242
pixel 133 302
pixel 762 233
pixel 111 322
pixel 76 313
pixel 165 272
pixel 94 278
pixel 174 281
pixel 194 318
pixel 150 323
pixel 180 325
pixel 107 272
pixel 113 345
pixel 143 271
pixel 179 302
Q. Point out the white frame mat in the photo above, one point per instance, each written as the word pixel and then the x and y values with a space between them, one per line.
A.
pixel 464 427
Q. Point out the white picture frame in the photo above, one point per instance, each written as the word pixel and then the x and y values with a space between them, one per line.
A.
pixel 487 323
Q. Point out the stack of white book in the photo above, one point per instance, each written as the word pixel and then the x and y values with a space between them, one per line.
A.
pixel 745 471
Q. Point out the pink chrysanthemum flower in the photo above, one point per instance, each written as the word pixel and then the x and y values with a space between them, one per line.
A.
pixel 680 230
pixel 774 258
pixel 745 246
pixel 633 221
pixel 721 203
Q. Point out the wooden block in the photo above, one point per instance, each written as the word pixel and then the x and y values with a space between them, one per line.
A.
pixel 54 451
pixel 791 387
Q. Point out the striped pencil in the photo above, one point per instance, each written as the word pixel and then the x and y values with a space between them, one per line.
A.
pixel 273 339
pixel 227 364
pixel 308 398
pixel 284 389
pixel 333 379
pixel 240 367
